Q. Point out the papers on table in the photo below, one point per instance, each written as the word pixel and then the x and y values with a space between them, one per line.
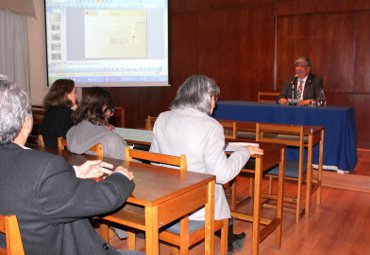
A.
pixel 233 146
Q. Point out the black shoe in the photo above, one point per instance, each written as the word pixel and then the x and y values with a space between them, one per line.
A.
pixel 236 243
pixel 239 240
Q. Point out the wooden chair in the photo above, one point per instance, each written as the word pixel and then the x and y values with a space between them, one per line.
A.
pixel 40 140
pixel 38 114
pixel 246 130
pixel 97 148
pixel 10 228
pixel 118 117
pixel 290 135
pixel 267 97
pixel 149 122
pixel 184 240
pixel 230 129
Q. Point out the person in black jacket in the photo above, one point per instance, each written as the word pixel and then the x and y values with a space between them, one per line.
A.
pixel 304 87
pixel 51 199
pixel 59 103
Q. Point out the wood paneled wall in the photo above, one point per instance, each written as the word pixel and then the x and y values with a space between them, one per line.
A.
pixel 250 45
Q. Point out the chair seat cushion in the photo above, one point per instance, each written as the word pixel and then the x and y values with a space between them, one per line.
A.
pixel 291 169
pixel 193 226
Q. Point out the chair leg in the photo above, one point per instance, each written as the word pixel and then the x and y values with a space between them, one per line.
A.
pixel 270 185
pixel 224 236
pixel 104 232
pixel 251 186
pixel 298 205
pixel 319 176
pixel 131 240
pixel 233 195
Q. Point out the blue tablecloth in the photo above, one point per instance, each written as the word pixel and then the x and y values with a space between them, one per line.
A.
pixel 340 148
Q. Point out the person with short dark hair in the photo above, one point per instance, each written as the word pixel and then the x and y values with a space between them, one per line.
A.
pixel 51 199
pixel 59 104
pixel 304 87
pixel 188 129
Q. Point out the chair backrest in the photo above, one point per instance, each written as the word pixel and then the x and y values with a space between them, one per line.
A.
pixel 62 143
pixel 179 161
pixel 290 135
pixel 118 117
pixel 9 226
pixel 230 129
pixel 246 130
pixel 267 96
pixel 149 122
pixel 97 148
pixel 40 140
pixel 38 114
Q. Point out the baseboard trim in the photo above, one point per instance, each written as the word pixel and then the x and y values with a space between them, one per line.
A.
pixel 346 181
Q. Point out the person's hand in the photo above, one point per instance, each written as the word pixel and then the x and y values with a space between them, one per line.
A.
pixel 110 127
pixel 304 102
pixel 128 174
pixel 283 100
pixel 254 150
pixel 94 169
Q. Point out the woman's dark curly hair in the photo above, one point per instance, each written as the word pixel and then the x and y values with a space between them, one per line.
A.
pixel 91 107
pixel 58 93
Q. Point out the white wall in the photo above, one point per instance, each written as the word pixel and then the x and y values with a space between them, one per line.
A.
pixel 36 40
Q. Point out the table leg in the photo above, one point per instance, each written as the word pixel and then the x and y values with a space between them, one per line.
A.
pixel 319 174
pixel 151 231
pixel 209 219
pixel 309 176
pixel 257 207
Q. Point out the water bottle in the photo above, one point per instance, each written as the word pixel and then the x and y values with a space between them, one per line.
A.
pixel 321 100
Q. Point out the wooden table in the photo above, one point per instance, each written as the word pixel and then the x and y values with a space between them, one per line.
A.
pixel 339 123
pixel 273 154
pixel 164 193
pixel 136 136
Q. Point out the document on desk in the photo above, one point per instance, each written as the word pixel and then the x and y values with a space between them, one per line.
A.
pixel 233 146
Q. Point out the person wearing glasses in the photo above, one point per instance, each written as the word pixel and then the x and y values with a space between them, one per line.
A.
pixel 92 126
pixel 60 102
pixel 189 129
pixel 304 87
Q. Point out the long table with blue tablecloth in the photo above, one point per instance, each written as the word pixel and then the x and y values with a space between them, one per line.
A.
pixel 340 146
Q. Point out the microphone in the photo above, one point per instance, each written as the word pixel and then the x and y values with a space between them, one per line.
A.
pixel 293 84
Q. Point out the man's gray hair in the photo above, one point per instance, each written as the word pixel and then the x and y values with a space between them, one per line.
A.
pixel 304 61
pixel 14 109
pixel 196 92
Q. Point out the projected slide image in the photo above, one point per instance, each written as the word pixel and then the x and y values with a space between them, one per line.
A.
pixel 110 43
pixel 115 34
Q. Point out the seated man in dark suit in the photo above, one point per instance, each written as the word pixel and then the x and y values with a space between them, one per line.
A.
pixel 304 88
pixel 52 205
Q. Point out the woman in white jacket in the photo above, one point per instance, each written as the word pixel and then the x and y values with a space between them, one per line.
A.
pixel 188 129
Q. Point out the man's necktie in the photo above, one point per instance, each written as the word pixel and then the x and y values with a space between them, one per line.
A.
pixel 299 89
